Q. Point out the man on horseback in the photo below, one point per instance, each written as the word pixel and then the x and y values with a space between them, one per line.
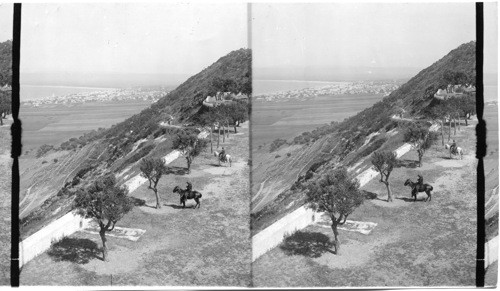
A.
pixel 420 181
pixel 453 147
pixel 222 155
pixel 188 190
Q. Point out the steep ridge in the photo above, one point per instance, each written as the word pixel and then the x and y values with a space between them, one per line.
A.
pixel 120 147
pixel 350 142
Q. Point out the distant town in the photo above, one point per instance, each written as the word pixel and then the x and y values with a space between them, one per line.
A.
pixel 354 88
pixel 151 94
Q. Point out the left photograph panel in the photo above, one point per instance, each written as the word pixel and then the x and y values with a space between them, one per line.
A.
pixel 135 163
pixel 6 15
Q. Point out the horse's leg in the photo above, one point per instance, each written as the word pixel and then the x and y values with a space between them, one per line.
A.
pixel 429 195
pixel 197 202
pixel 414 194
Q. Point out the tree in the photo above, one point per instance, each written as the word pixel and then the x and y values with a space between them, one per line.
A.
pixel 421 138
pixel 190 145
pixel 467 106
pixel 153 170
pixel 439 113
pixel 338 195
pixel 238 112
pixel 384 162
pixel 5 105
pixel 104 202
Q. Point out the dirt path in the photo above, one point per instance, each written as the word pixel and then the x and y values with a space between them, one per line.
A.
pixel 181 247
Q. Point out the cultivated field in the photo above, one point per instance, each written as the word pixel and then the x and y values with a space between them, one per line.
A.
pixel 5 205
pixel 181 247
pixel 414 244
pixel 54 124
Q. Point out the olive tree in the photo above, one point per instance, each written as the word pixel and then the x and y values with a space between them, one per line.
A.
pixel 421 138
pixel 336 194
pixel 190 146
pixel 384 162
pixel 105 203
pixel 153 170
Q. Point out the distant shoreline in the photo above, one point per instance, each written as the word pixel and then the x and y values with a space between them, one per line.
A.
pixel 70 87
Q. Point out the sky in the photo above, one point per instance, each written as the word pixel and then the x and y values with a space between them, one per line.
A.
pixel 6 11
pixel 346 35
pixel 150 38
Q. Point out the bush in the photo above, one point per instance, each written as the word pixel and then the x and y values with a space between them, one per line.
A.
pixel 56 160
pixel 288 154
pixel 276 144
pixel 277 156
pixel 43 149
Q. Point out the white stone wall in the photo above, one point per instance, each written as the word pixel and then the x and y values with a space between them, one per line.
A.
pixel 41 240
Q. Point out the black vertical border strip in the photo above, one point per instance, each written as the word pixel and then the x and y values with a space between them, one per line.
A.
pixel 250 180
pixel 16 149
pixel 481 147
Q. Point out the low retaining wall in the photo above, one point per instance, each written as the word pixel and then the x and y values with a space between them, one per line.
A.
pixel 41 240
pixel 491 251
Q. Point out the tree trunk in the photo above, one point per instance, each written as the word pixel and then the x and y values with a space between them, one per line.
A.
pixel 188 159
pixel 211 139
pixel 1 120
pixel 459 122
pixel 454 127
pixel 442 132
pixel 158 206
pixel 449 129
pixel 336 236
pixel 466 123
pixel 389 192
pixel 224 133
pixel 420 156
pixel 102 234
pixel 218 137
pixel 235 128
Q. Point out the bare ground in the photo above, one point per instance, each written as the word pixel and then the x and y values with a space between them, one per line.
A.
pixel 415 243
pixel 181 247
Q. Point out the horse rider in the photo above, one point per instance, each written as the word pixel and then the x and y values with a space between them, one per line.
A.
pixel 188 190
pixel 222 154
pixel 420 181
pixel 453 146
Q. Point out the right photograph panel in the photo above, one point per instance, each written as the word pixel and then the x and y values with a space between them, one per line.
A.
pixel 363 145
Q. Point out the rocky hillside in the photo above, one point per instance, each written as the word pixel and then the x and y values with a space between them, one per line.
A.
pixel 351 142
pixel 55 173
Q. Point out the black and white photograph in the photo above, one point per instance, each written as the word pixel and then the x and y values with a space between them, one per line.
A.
pixel 134 168
pixel 364 145
pixel 249 145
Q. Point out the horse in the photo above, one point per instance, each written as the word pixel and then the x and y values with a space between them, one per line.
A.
pixel 415 188
pixel 458 150
pixel 227 160
pixel 185 194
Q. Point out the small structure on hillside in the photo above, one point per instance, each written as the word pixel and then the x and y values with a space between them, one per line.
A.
pixel 223 98
pixel 454 91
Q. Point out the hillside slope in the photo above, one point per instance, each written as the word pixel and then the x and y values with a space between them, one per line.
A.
pixel 350 142
pixel 50 178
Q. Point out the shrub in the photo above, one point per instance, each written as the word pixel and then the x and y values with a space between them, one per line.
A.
pixel 43 149
pixel 276 144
